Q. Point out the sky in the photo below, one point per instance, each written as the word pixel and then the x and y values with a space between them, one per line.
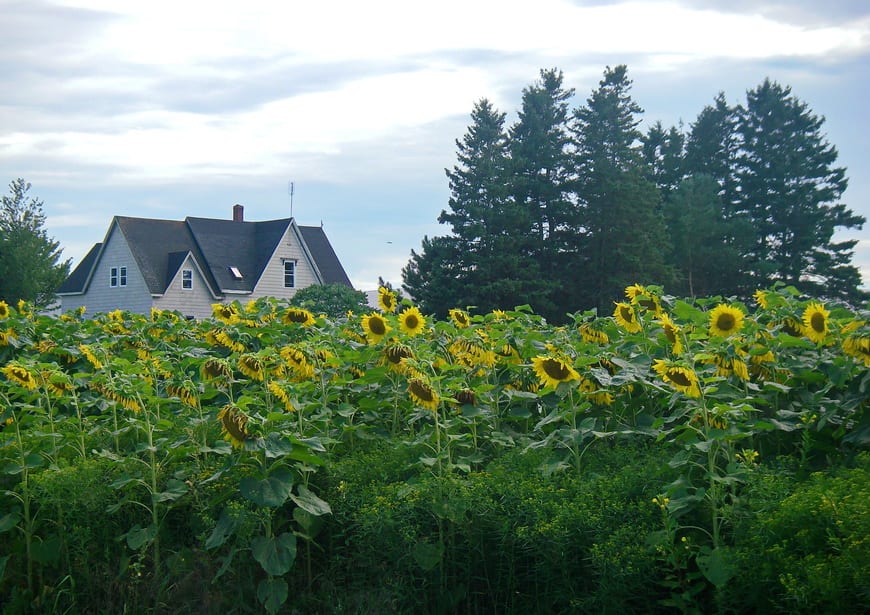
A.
pixel 168 109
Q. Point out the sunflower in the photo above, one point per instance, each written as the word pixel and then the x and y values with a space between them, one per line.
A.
pixel 4 310
pixel 760 297
pixel 386 300
pixel 551 370
pixel 593 336
pixel 626 317
pixel 508 354
pixel 594 392
pixel 375 327
pixel 681 378
pixel 298 362
pixel 672 333
pixel 858 347
pixel 280 394
pixel 185 393
pixel 815 320
pixel 499 315
pixel 58 383
pixel 396 354
pixel 216 369
pixel 422 393
pixel 465 397
pixel 251 366
pixel 643 298
pixel 460 318
pixel 20 375
pixel 234 425
pixel 792 326
pixel 298 316
pixel 90 356
pixel 411 321
pixel 225 313
pixel 725 320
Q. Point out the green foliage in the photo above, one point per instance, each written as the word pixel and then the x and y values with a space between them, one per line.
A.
pixel 334 300
pixel 30 266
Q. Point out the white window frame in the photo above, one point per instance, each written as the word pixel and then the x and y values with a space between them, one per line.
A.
pixel 117 276
pixel 289 273
pixel 113 277
pixel 187 279
pixel 122 277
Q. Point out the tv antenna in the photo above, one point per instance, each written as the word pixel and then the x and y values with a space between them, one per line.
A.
pixel 290 187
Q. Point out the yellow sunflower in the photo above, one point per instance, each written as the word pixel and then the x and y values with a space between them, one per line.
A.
pixel 411 321
pixel 216 369
pixel 20 375
pixel 251 366
pixel 422 393
pixel 815 320
pixel 591 335
pixel 643 298
pixel 858 346
pixel 792 326
pixel 4 310
pixel 626 317
pixel 90 356
pixel 725 320
pixel 298 362
pixel 224 312
pixel 672 333
pixel 760 297
pixel 298 316
pixel 375 327
pixel 460 318
pixel 396 354
pixel 681 378
pixel 386 300
pixel 234 425
pixel 280 394
pixel 551 370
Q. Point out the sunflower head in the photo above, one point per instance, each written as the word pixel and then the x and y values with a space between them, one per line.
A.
pixel 251 366
pixel 552 371
pixel 460 318
pixel 298 316
pixel 626 317
pixel 20 375
pixel 4 310
pixel 225 312
pixel 725 320
pixel 591 335
pixel 234 425
pixel 681 378
pixel 422 393
pixel 411 321
pixel 386 300
pixel 815 321
pixel 760 297
pixel 396 353
pixel 858 346
pixel 375 327
pixel 216 369
pixel 672 333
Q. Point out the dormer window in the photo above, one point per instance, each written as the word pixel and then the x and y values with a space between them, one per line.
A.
pixel 234 271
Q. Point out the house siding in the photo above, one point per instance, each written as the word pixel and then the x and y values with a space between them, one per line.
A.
pixel 195 302
pixel 99 296
pixel 271 283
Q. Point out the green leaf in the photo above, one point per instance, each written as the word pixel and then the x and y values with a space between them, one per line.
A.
pixel 270 491
pixel 46 551
pixel 272 593
pixel 139 536
pixel 717 566
pixel 310 524
pixel 309 502
pixel 427 555
pixel 9 521
pixel 276 555
pixel 174 490
pixel 221 531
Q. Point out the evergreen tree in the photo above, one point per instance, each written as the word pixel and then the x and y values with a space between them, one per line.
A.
pixel 30 267
pixel 790 188
pixel 623 240
pixel 664 155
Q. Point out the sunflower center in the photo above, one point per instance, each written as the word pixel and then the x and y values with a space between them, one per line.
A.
pixel 626 313
pixel 679 378
pixel 817 322
pixel 422 391
pixel 725 322
pixel 377 326
pixel 555 369
pixel 670 334
pixel 411 321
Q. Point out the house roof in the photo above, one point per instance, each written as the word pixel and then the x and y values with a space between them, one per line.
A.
pixel 161 246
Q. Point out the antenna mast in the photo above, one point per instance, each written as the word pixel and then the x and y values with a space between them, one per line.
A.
pixel 290 191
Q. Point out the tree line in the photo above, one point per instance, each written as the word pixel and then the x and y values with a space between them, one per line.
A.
pixel 567 207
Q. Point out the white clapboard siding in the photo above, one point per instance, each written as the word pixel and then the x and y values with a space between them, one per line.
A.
pixel 195 302
pixel 271 283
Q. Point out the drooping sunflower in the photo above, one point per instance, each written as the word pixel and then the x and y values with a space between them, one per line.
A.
pixel 251 366
pixel 216 369
pixel 375 327
pixel 643 298
pixel 386 300
pixel 725 320
pixel 592 335
pixel 395 355
pixel 681 378
pixel 760 297
pixel 815 320
pixel 626 317
pixel 411 321
pixel 858 346
pixel 225 312
pixel 672 333
pixel 298 362
pixel 90 356
pixel 281 395
pixel 422 393
pixel 552 371
pixel 4 310
pixel 594 392
pixel 460 318
pixel 792 326
pixel 234 425
pixel 20 375
pixel 298 316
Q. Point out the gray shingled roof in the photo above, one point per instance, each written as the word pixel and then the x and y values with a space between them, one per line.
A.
pixel 160 247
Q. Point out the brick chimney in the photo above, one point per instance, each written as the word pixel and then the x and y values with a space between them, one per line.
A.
pixel 238 213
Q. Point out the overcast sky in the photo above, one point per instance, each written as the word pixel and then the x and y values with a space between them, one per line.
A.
pixel 168 109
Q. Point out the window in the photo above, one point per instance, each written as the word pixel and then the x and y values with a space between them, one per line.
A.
pixel 289 274
pixel 117 276
pixel 236 273
pixel 187 279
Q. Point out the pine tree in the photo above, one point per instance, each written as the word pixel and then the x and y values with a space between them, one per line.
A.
pixel 663 152
pixel 790 188
pixel 623 240
pixel 30 266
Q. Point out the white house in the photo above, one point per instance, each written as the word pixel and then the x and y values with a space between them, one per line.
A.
pixel 191 264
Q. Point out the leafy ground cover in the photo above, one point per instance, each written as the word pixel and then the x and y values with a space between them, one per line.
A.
pixel 697 456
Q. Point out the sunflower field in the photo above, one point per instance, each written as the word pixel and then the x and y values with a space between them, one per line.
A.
pixel 675 455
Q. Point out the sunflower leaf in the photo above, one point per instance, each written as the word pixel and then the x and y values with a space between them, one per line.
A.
pixel 309 502
pixel 272 593
pixel 223 530
pixel 270 491
pixel 276 554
